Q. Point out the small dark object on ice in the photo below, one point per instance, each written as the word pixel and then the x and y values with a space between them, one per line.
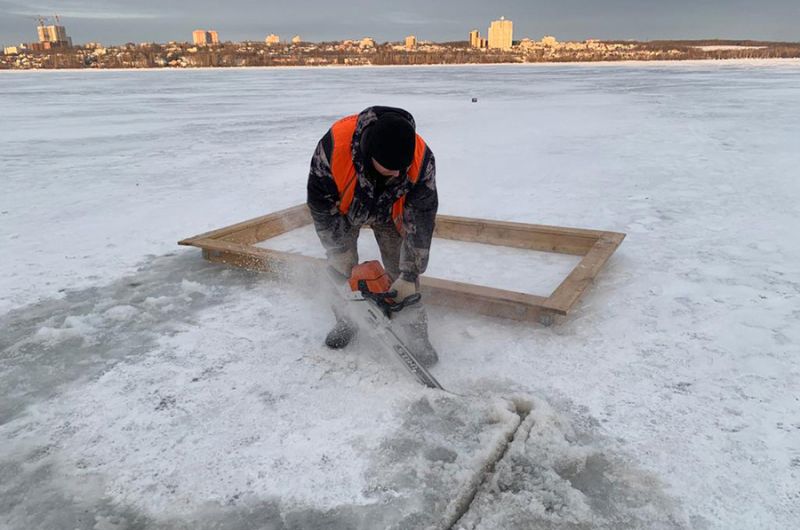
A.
pixel 474 100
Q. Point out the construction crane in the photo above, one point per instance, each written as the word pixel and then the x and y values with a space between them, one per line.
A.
pixel 43 20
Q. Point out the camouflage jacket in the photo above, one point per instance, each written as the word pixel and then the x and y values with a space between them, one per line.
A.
pixel 372 204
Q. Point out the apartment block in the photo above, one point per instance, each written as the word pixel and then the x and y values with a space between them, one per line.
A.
pixel 501 34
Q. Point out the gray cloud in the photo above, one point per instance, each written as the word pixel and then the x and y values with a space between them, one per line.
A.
pixel 79 9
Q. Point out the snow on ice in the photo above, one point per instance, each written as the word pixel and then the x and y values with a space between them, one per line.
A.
pixel 145 388
pixel 455 260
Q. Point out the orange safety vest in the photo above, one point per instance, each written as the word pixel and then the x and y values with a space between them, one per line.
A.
pixel 344 171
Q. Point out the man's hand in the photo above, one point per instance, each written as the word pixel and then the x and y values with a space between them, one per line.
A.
pixel 404 289
pixel 343 262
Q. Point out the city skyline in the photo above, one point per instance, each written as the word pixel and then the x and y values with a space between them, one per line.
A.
pixel 117 21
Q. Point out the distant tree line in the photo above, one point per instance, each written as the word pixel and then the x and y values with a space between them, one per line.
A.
pixel 260 54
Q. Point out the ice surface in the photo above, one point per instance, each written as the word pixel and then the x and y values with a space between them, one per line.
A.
pixel 179 413
pixel 675 380
pixel 508 268
pixel 552 478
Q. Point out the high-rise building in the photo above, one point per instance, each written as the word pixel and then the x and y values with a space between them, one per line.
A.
pixel 476 41
pixel 411 42
pixel 202 37
pixel 474 37
pixel 54 35
pixel 501 34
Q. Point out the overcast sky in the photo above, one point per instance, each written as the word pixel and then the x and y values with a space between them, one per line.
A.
pixel 119 21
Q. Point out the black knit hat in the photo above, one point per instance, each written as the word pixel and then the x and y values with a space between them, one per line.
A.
pixel 392 141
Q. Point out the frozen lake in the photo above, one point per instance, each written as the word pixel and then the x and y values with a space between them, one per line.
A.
pixel 145 388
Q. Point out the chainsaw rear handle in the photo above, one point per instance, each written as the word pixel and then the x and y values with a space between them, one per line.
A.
pixel 382 299
pixel 409 300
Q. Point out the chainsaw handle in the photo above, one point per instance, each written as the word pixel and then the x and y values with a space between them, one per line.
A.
pixel 382 299
pixel 409 300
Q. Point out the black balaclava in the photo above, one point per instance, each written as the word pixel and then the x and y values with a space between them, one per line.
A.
pixel 391 141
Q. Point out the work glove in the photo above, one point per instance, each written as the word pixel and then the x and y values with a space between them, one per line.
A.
pixel 343 262
pixel 404 289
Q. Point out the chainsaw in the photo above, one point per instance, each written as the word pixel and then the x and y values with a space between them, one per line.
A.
pixel 371 303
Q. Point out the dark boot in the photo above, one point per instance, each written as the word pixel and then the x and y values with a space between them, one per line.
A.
pixel 341 334
pixel 423 350
pixel 413 323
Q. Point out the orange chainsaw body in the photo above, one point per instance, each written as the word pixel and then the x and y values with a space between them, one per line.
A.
pixel 373 275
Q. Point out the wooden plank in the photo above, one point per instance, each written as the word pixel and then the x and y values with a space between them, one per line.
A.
pixel 573 241
pixel 478 292
pixel 571 289
pixel 262 227
pixel 525 227
pixel 475 298
pixel 484 300
pixel 255 258
pixel 296 218
pixel 233 245
pixel 545 238
pixel 430 284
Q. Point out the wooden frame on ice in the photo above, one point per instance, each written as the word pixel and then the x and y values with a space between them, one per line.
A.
pixel 235 245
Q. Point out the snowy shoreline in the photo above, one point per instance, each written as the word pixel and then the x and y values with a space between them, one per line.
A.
pixel 576 64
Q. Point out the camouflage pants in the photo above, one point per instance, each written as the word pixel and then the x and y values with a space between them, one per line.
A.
pixel 389 242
